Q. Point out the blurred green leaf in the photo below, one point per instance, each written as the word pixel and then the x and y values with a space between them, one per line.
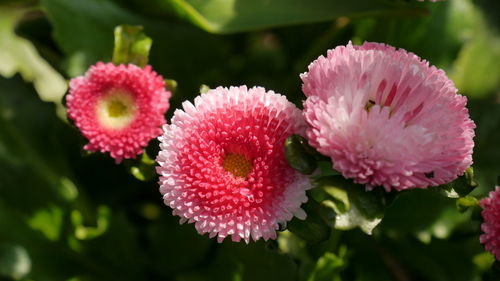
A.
pixel 131 45
pixel 484 260
pixel 48 221
pixel 18 55
pixel 423 214
pixel 84 33
pixel 476 72
pixel 328 268
pixel 194 248
pixel 15 262
pixel 486 115
pixel 222 16
pixel 84 232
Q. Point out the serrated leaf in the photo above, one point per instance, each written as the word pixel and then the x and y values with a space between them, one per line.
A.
pixel 131 45
pixel 18 55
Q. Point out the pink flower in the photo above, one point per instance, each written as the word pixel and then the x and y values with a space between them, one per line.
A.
pixel 491 226
pixel 386 118
pixel 222 163
pixel 119 109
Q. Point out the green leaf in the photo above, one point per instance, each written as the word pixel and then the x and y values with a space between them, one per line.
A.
pixel 482 54
pixel 143 168
pixel 354 206
pixel 464 203
pixel 48 221
pixel 15 262
pixel 460 187
pixel 341 198
pixel 423 214
pixel 131 45
pixel 298 154
pixel 18 55
pixel 313 229
pixel 484 260
pixel 223 16
pixel 84 232
pixel 328 267
pixel 326 169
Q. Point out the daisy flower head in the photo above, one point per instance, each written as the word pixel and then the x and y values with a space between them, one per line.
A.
pixel 222 164
pixel 387 118
pixel 491 225
pixel 119 109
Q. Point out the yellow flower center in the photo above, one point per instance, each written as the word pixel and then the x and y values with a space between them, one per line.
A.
pixel 237 164
pixel 116 109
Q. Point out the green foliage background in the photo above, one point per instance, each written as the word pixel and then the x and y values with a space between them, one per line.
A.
pixel 65 215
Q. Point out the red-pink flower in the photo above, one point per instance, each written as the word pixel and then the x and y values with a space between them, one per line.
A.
pixel 491 226
pixel 119 109
pixel 222 163
pixel 387 118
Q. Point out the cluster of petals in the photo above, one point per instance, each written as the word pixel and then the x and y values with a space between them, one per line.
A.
pixel 387 118
pixel 119 109
pixel 222 164
pixel 491 226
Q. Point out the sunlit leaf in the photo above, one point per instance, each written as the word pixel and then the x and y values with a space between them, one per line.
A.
pixel 18 55
pixel 15 262
pixel 48 221
pixel 328 268
pixel 354 206
pixel 223 16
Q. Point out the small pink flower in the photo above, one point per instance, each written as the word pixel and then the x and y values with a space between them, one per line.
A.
pixel 386 118
pixel 119 109
pixel 491 226
pixel 222 163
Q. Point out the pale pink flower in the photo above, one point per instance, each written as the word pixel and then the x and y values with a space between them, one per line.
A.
pixel 222 163
pixel 387 118
pixel 119 109
pixel 491 226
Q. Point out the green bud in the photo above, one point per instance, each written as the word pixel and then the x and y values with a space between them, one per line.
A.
pixel 131 45
pixel 464 203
